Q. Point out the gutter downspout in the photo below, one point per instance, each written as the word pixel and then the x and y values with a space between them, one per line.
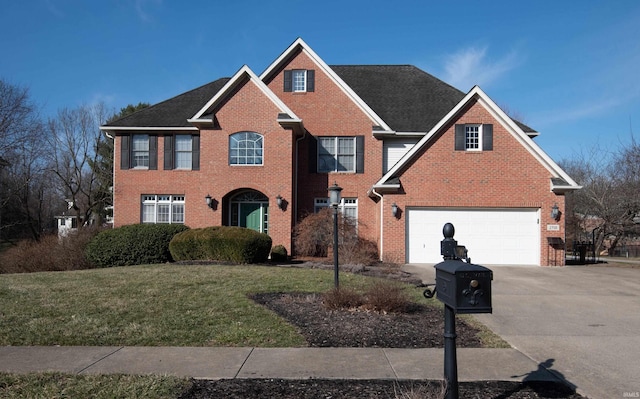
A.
pixel 295 181
pixel 113 178
pixel 373 190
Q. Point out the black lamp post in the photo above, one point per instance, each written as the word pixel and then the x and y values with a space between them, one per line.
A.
pixel 334 200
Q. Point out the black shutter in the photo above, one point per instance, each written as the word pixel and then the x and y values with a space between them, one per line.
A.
pixel 153 152
pixel 311 80
pixel 168 152
pixel 359 154
pixel 313 154
pixel 460 138
pixel 125 152
pixel 195 152
pixel 487 137
pixel 288 81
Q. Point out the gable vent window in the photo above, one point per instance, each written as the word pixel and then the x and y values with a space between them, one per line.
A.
pixel 299 80
pixel 474 137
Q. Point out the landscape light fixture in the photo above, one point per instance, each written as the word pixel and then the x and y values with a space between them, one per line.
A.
pixel 334 200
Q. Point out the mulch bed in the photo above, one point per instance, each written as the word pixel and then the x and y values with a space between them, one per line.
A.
pixel 371 389
pixel 421 327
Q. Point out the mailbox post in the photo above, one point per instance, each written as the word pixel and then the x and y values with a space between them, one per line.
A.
pixel 463 288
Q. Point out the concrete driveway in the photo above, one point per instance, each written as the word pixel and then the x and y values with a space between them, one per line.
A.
pixel 581 322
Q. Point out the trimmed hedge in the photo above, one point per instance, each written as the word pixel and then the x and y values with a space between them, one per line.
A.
pixel 221 243
pixel 134 244
pixel 279 254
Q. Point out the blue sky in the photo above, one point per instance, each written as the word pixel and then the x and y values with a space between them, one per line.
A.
pixel 569 69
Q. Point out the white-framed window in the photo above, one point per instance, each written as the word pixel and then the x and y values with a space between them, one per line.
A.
pixel 162 208
pixel 246 148
pixel 348 206
pixel 299 80
pixel 183 151
pixel 336 154
pixel 299 77
pixel 140 151
pixel 473 137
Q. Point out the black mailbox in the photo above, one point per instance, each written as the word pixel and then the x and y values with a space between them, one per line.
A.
pixel 463 286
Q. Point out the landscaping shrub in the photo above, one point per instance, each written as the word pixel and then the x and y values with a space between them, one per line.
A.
pixel 342 298
pixel 314 237
pixel 387 296
pixel 383 296
pixel 221 243
pixel 50 253
pixel 134 244
pixel 279 254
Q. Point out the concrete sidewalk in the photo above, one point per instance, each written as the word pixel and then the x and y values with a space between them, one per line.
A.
pixel 286 363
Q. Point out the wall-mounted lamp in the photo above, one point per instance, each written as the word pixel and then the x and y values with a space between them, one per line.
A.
pixel 209 201
pixel 279 201
pixel 555 212
pixel 394 210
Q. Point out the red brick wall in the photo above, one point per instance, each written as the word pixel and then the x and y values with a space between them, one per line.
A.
pixel 247 110
pixel 328 111
pixel 509 176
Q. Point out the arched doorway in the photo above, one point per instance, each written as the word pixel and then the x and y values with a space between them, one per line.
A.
pixel 250 209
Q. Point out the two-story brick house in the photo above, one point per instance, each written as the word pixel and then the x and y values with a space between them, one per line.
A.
pixel 409 151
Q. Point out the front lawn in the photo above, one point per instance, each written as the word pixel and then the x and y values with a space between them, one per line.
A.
pixel 156 305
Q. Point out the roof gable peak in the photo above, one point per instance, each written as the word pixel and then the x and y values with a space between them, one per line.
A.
pixel 243 73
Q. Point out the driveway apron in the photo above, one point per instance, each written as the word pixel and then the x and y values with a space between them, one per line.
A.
pixel 580 322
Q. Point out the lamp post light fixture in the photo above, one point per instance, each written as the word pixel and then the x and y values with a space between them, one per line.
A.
pixel 334 201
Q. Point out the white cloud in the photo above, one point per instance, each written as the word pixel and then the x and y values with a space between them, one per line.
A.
pixel 141 8
pixel 471 66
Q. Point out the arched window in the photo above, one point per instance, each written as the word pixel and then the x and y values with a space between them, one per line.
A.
pixel 246 148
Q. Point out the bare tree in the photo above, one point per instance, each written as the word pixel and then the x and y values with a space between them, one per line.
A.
pixel 22 185
pixel 74 138
pixel 608 205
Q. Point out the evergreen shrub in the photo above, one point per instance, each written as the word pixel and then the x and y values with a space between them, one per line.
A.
pixel 221 243
pixel 134 244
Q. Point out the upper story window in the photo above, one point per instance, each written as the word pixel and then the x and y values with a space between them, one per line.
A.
pixel 299 80
pixel 246 148
pixel 140 151
pixel 474 137
pixel 340 154
pixel 182 151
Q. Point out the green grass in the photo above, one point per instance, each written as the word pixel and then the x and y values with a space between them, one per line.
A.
pixel 156 305
pixel 56 385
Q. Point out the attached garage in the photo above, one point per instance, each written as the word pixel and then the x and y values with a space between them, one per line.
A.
pixel 492 236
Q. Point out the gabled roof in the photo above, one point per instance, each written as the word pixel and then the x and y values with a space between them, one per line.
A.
pixel 299 45
pixel 203 115
pixel 389 181
pixel 171 113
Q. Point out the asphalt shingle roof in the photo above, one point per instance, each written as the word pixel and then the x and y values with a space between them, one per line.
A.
pixel 404 96
pixel 175 111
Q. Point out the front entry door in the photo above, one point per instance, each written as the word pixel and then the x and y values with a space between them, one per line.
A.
pixel 251 216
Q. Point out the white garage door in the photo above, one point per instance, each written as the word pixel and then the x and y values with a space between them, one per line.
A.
pixel 492 236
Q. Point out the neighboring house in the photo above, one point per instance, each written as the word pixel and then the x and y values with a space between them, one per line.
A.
pixel 388 135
